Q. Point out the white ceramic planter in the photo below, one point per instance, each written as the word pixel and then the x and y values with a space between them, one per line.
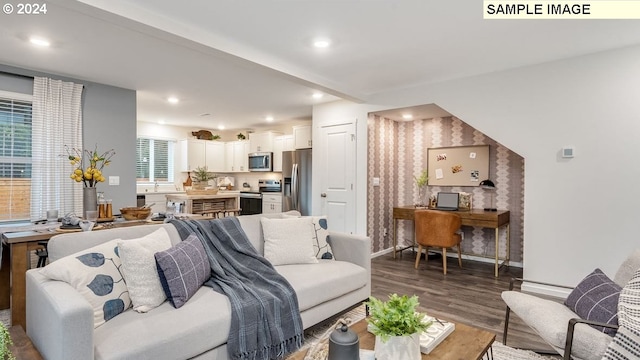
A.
pixel 398 348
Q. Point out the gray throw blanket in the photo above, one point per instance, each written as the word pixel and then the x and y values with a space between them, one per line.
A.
pixel 265 319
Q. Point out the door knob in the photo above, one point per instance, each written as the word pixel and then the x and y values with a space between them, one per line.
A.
pixel 323 195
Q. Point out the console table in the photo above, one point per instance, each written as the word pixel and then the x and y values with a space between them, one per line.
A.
pixel 16 260
pixel 475 217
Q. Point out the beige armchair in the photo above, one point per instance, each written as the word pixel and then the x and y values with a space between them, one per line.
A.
pixel 568 334
pixel 437 229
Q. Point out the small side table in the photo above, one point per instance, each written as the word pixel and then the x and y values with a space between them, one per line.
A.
pixel 22 348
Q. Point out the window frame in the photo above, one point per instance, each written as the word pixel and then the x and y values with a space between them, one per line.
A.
pixel 18 97
pixel 171 156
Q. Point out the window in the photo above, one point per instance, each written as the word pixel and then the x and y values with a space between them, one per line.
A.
pixel 154 160
pixel 15 156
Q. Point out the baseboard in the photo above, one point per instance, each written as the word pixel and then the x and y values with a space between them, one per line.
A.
pixel 489 260
pixel 539 289
pixel 382 252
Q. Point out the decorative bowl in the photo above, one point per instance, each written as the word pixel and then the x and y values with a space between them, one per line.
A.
pixel 135 213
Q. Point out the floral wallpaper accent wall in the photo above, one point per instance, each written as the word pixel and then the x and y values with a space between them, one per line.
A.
pixel 398 151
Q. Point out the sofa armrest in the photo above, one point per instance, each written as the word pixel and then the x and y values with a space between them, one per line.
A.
pixel 59 319
pixel 352 248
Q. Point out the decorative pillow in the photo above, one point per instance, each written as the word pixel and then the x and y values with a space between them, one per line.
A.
pixel 596 298
pixel 95 273
pixel 321 247
pixel 626 343
pixel 140 271
pixel 183 269
pixel 288 241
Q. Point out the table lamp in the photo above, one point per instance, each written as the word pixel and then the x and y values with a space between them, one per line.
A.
pixel 489 185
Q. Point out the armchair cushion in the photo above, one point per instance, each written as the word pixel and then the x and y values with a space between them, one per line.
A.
pixel 549 319
pixel 596 298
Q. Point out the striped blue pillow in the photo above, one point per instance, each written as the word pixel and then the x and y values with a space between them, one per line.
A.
pixel 183 269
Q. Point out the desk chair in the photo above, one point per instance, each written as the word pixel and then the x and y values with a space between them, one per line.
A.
pixel 437 229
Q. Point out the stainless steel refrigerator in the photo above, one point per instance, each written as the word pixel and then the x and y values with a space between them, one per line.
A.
pixel 296 173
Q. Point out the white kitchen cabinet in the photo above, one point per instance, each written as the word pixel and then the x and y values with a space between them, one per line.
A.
pixel 215 156
pixel 262 141
pixel 271 203
pixel 302 136
pixel 192 154
pixel 281 143
pixel 236 156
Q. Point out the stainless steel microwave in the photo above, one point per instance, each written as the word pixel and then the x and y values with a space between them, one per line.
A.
pixel 261 161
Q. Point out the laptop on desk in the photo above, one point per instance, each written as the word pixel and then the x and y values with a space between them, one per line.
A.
pixel 447 201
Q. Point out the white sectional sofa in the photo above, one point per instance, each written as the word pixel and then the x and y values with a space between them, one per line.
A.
pixel 60 321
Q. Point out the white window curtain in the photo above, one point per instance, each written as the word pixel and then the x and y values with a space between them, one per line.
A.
pixel 57 121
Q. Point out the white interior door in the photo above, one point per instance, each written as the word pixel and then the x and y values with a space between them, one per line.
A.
pixel 339 175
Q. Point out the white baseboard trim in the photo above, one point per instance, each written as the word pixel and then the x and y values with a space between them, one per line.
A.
pixel 540 289
pixel 489 260
pixel 382 252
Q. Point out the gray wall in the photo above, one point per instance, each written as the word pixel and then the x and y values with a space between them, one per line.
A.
pixel 109 117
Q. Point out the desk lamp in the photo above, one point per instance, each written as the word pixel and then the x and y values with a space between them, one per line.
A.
pixel 489 185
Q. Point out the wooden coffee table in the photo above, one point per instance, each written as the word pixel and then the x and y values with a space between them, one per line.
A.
pixel 465 342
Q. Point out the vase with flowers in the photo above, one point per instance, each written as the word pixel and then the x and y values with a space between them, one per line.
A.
pixel 421 183
pixel 87 169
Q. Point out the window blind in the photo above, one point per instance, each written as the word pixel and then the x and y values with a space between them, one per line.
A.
pixel 15 156
pixel 154 160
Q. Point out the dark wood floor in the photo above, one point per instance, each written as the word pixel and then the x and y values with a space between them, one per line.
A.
pixel 470 295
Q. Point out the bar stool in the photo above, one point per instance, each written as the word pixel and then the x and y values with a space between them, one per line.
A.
pixel 42 253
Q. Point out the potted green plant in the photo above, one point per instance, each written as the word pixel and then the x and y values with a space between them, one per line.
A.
pixel 397 327
pixel 241 136
pixel 5 342
pixel 201 176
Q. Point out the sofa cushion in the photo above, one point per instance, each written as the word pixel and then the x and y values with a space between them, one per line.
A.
pixel 139 269
pixel 596 299
pixel 95 274
pixel 165 332
pixel 328 279
pixel 288 241
pixel 183 269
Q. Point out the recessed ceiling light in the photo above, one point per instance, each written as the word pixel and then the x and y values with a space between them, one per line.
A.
pixel 321 43
pixel 269 118
pixel 407 116
pixel 317 95
pixel 220 127
pixel 173 100
pixel 39 41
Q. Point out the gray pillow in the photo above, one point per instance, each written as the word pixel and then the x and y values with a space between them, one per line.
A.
pixel 182 270
pixel 596 298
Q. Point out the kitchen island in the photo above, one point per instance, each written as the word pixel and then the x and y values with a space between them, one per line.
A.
pixel 224 203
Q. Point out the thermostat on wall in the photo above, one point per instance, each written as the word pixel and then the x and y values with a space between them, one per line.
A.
pixel 567 152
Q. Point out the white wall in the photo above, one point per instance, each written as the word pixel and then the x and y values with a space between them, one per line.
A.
pixel 579 213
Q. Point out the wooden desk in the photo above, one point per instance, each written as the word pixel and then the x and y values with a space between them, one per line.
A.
pixel 16 259
pixel 476 217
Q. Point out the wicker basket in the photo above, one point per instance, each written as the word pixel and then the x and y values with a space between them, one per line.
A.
pixel 135 213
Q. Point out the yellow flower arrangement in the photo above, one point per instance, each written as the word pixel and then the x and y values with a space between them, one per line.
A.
pixel 90 175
